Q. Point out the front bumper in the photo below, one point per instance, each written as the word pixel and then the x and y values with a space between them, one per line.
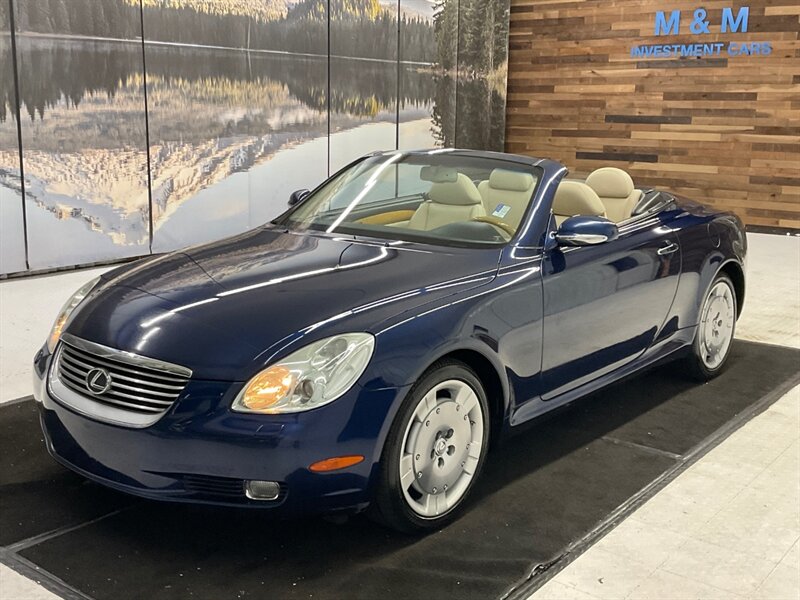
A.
pixel 202 452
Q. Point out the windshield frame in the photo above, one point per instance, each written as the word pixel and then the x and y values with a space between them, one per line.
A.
pixel 386 235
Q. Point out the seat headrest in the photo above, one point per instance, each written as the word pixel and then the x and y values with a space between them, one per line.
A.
pixel 438 174
pixel 512 181
pixel 577 198
pixel 610 182
pixel 461 192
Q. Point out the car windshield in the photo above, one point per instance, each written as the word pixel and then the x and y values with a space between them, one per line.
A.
pixel 433 197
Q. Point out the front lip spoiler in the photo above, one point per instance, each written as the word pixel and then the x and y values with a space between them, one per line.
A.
pixel 184 497
pixel 176 496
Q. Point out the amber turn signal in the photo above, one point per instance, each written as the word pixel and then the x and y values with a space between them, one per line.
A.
pixel 335 463
pixel 57 330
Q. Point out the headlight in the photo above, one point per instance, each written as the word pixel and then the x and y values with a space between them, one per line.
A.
pixel 66 311
pixel 313 376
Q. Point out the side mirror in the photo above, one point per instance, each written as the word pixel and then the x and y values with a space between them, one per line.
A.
pixel 586 231
pixel 298 196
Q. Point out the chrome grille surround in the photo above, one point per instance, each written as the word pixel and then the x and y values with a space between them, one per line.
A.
pixel 112 385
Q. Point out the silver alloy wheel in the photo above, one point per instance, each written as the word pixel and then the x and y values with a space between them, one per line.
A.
pixel 716 325
pixel 441 448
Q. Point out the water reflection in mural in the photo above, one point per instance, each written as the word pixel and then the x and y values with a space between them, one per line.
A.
pixel 218 119
pixel 368 30
pixel 83 139
pixel 12 230
pixel 240 108
pixel 422 33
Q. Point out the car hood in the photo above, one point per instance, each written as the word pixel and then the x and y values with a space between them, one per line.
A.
pixel 227 308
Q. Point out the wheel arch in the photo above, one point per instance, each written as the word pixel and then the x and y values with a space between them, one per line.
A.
pixel 734 271
pixel 475 353
pixel 713 265
pixel 492 382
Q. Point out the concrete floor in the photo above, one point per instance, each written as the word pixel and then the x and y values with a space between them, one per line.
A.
pixel 28 307
pixel 772 301
pixel 726 528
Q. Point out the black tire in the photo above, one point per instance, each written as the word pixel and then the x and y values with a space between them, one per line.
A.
pixel 389 506
pixel 694 364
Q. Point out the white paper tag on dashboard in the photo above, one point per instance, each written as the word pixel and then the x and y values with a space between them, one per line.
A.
pixel 501 210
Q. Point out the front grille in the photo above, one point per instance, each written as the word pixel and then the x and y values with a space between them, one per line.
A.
pixel 119 379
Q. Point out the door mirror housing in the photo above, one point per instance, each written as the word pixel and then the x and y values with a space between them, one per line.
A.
pixel 586 231
pixel 298 196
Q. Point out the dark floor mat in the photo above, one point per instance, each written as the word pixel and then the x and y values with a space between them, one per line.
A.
pixel 674 414
pixel 39 495
pixel 540 492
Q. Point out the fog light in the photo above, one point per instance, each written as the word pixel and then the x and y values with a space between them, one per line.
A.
pixel 262 490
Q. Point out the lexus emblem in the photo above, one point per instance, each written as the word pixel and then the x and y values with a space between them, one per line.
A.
pixel 98 381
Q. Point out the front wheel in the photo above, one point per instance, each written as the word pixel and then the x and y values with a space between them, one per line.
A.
pixel 435 450
pixel 712 342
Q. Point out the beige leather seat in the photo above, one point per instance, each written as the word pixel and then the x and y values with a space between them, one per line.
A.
pixel 507 188
pixel 448 202
pixel 616 190
pixel 575 198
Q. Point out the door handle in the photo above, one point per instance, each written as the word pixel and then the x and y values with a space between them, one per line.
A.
pixel 668 249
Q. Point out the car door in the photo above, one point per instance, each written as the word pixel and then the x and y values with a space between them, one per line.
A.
pixel 605 303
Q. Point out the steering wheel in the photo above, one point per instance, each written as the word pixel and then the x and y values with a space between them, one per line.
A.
pixel 501 225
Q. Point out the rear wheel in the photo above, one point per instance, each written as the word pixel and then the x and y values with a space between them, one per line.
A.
pixel 434 451
pixel 712 342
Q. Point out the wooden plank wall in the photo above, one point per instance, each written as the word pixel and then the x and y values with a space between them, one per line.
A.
pixel 722 130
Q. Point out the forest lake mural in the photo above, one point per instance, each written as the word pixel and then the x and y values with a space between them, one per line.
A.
pixel 242 102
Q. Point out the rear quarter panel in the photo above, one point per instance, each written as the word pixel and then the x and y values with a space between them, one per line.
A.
pixel 709 240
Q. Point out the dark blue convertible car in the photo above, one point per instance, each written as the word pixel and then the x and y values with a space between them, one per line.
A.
pixel 362 350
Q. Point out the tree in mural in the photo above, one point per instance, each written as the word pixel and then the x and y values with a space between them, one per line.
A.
pixel 445 26
pixel 361 26
pixel 482 34
pixel 470 34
